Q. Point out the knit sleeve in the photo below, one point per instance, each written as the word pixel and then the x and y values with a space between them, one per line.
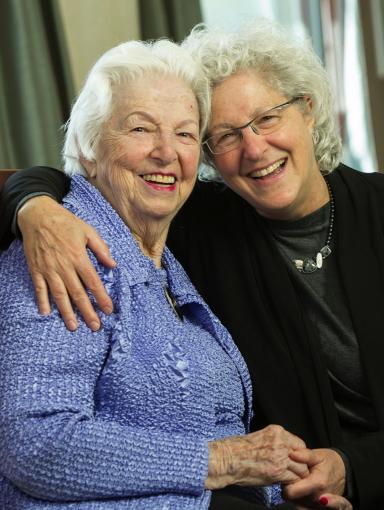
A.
pixel 52 444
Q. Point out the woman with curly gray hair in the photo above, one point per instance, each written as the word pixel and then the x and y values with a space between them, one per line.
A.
pixel 287 249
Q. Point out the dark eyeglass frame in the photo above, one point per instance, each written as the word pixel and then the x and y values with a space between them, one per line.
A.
pixel 239 129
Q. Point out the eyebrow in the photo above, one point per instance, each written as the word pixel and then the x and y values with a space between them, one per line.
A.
pixel 139 113
pixel 228 126
pixel 150 118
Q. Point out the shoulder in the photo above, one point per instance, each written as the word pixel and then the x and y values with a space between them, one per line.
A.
pixel 210 204
pixel 355 178
pixel 17 295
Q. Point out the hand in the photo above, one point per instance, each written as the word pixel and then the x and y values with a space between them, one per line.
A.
pixel 55 248
pixel 326 474
pixel 257 459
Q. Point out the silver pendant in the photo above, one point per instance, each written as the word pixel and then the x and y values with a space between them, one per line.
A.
pixel 325 251
pixel 310 265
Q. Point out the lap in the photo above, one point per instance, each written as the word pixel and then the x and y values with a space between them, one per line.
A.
pixel 224 501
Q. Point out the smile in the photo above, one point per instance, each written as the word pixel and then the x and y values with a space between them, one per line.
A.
pixel 160 179
pixel 274 168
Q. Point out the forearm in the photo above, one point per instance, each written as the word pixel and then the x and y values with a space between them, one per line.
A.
pixel 73 456
pixel 52 443
pixel 37 180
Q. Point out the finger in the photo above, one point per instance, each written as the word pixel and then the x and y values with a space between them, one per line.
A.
pixel 304 455
pixel 335 502
pixel 41 291
pixel 68 290
pixel 302 488
pixel 63 303
pixel 100 249
pixel 299 469
pixel 92 282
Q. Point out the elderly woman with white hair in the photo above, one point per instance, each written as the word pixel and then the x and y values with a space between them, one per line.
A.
pixel 138 414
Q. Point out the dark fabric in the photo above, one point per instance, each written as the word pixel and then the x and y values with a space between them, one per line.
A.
pixel 21 184
pixel 229 255
pixel 326 308
pixel 36 87
pixel 221 500
pixel 168 18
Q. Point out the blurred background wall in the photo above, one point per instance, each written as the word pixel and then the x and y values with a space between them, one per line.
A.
pixel 47 47
pixel 91 27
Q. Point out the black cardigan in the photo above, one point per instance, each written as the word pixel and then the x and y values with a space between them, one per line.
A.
pixel 230 256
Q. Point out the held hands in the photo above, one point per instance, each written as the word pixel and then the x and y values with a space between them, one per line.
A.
pixel 55 244
pixel 325 482
pixel 259 458
pixel 311 479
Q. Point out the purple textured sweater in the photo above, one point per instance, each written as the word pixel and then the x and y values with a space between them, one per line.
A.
pixel 118 418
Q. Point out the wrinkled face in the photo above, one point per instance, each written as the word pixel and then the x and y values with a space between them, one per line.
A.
pixel 276 172
pixel 148 154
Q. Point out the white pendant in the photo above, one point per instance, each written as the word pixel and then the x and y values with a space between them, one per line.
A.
pixel 319 260
pixel 298 264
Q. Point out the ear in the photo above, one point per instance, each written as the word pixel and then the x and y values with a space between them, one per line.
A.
pixel 89 166
pixel 308 112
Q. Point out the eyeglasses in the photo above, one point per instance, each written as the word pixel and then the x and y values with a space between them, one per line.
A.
pixel 263 124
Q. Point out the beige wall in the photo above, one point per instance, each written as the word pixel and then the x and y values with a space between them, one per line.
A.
pixel 93 26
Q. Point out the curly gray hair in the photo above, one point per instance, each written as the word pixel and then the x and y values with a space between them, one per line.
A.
pixel 128 61
pixel 289 66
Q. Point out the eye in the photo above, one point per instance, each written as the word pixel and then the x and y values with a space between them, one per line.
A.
pixel 187 136
pixel 140 129
pixel 267 120
pixel 226 137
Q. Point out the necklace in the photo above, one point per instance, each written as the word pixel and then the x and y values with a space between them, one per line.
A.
pixel 309 265
pixel 172 301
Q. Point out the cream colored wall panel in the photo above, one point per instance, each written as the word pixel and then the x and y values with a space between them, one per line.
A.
pixel 93 26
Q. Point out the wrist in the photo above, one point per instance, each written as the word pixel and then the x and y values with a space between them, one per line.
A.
pixel 28 203
pixel 219 472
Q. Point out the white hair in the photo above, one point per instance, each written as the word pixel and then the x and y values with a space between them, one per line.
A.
pixel 289 66
pixel 128 61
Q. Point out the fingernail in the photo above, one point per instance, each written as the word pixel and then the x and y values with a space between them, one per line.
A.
pixel 94 326
pixel 72 325
pixel 108 310
pixel 323 501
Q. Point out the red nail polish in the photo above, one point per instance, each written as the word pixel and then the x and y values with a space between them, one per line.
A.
pixel 323 501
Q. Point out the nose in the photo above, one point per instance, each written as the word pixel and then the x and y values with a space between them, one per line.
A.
pixel 164 150
pixel 253 144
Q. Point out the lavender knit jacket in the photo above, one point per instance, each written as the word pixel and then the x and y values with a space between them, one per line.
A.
pixel 119 418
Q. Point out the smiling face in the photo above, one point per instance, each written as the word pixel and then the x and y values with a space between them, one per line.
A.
pixel 277 172
pixel 147 157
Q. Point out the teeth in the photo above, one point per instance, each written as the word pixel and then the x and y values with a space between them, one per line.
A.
pixel 268 170
pixel 162 179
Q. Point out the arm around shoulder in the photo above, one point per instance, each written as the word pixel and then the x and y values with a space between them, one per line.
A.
pixel 30 182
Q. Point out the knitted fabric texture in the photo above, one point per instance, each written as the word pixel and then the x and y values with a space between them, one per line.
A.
pixel 118 418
